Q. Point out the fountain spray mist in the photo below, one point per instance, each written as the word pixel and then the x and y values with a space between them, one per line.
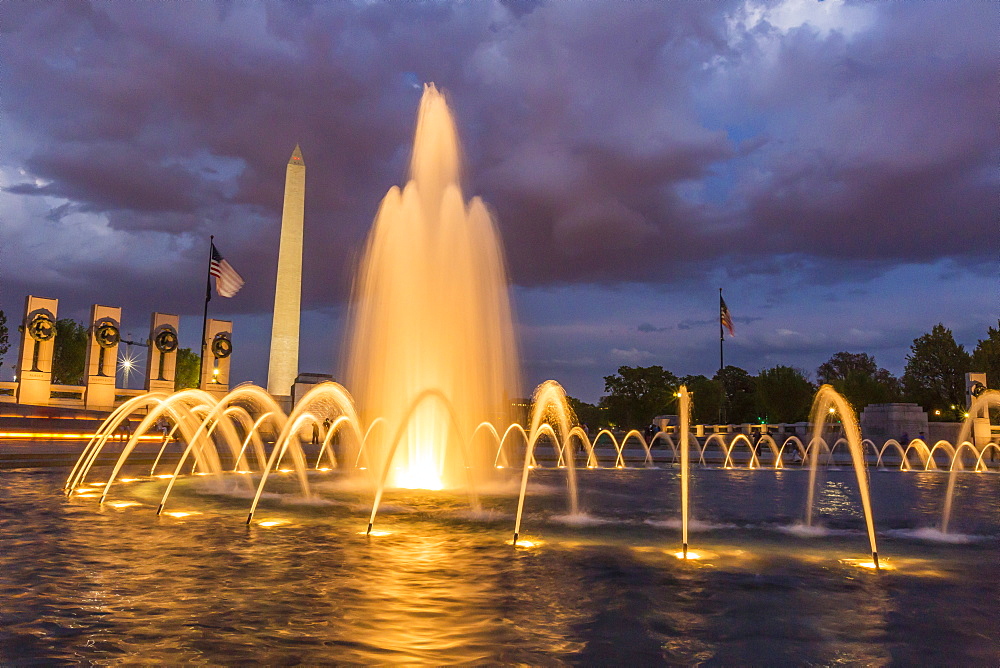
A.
pixel 431 341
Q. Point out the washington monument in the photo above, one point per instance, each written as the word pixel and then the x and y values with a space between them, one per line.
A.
pixel 283 366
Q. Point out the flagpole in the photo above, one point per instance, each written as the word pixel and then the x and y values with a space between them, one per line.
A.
pixel 208 298
pixel 722 335
pixel 722 365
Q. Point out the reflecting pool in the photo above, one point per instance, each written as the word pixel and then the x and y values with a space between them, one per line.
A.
pixel 438 584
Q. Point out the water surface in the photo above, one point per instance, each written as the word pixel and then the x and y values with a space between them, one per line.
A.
pixel 80 584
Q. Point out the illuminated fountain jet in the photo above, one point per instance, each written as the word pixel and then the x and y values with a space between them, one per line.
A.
pixel 432 348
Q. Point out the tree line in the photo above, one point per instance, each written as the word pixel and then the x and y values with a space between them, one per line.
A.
pixel 934 378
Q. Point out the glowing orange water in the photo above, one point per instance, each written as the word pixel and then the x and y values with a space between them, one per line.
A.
pixel 431 312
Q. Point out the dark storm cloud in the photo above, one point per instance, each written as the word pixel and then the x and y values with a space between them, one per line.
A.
pixel 615 141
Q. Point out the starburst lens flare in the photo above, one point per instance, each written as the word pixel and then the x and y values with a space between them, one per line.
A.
pixel 128 363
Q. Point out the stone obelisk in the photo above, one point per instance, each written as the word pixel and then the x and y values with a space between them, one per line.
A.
pixel 284 362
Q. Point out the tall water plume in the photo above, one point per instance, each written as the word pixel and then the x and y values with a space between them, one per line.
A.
pixel 432 349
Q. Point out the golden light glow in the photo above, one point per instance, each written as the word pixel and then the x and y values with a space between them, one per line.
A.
pixel 690 555
pixel 526 544
pixel 883 564
pixel 182 513
pixel 54 436
pixel 324 469
pixel 123 504
pixel 419 479
pixel 284 470
pixel 128 480
pixel 88 495
pixel 164 476
pixel 375 532
pixel 272 523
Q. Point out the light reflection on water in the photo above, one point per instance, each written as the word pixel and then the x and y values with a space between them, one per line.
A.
pixel 81 585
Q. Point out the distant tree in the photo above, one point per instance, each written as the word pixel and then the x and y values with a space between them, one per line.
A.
pixel 740 392
pixel 187 373
pixel 986 357
pixel 841 365
pixel 784 394
pixel 935 374
pixel 69 352
pixel 859 379
pixel 4 343
pixel 588 414
pixel 707 396
pixel 638 394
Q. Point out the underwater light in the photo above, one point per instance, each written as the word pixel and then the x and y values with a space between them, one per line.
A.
pixel 882 565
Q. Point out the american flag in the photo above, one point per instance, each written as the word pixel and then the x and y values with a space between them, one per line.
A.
pixel 227 281
pixel 726 319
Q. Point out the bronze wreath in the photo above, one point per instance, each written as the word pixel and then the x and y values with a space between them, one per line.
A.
pixel 222 347
pixel 41 327
pixel 107 335
pixel 166 341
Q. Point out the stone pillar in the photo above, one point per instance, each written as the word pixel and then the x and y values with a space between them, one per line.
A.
pixel 34 362
pixel 218 348
pixel 161 362
pixel 101 363
pixel 975 384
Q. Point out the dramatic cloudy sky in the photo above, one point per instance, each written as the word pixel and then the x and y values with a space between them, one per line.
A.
pixel 832 165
